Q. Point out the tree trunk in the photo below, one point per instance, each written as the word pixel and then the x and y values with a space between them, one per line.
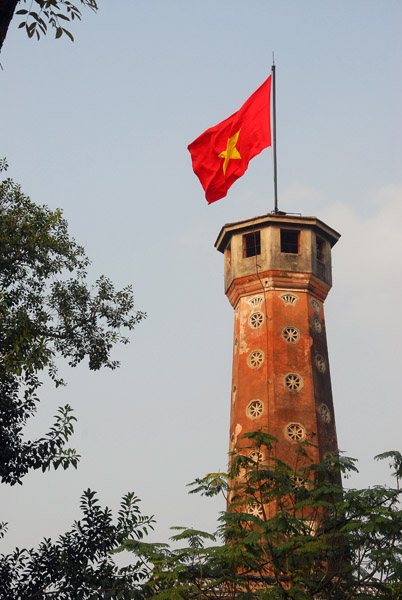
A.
pixel 7 10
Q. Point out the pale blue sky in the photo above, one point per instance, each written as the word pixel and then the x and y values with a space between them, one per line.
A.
pixel 101 127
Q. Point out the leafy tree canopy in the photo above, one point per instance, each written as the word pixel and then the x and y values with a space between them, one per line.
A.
pixel 39 15
pixel 79 564
pixel 290 532
pixel 48 311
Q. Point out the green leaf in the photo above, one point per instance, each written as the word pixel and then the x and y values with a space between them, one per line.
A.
pixel 68 34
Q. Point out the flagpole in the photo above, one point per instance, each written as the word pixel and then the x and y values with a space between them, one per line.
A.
pixel 274 136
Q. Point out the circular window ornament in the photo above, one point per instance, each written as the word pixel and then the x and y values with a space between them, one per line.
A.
pixel 255 359
pixel 320 363
pixel 256 319
pixel 307 527
pixel 256 456
pixel 255 409
pixel 294 382
pixel 256 301
pixel 291 335
pixel 316 306
pixel 255 509
pixel 325 413
pixel 317 325
pixel 311 527
pixel 297 482
pixel 295 432
pixel 289 299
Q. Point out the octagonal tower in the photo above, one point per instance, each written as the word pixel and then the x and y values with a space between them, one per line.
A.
pixel 277 276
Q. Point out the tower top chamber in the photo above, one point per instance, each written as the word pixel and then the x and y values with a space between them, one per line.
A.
pixel 274 245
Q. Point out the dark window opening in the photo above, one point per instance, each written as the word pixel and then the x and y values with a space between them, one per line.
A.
pixel 290 241
pixel 320 250
pixel 251 244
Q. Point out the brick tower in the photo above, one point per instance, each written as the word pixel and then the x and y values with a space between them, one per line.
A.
pixel 277 276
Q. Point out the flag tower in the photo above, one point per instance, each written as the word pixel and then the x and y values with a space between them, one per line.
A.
pixel 277 276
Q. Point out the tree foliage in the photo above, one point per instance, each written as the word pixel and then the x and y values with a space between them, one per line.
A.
pixel 79 564
pixel 48 311
pixel 290 532
pixel 40 15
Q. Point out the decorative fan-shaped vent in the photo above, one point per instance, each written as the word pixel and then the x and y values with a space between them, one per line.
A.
pixel 317 324
pixel 294 382
pixel 257 456
pixel 320 363
pixel 325 413
pixel 256 319
pixel 255 359
pixel 295 432
pixel 291 335
pixel 316 306
pixel 289 299
pixel 256 301
pixel 255 409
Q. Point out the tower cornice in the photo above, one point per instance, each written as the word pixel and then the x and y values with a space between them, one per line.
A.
pixel 277 281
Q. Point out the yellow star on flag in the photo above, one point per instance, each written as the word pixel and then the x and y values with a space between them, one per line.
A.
pixel 230 152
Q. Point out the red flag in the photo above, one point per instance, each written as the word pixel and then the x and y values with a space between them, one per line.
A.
pixel 221 154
